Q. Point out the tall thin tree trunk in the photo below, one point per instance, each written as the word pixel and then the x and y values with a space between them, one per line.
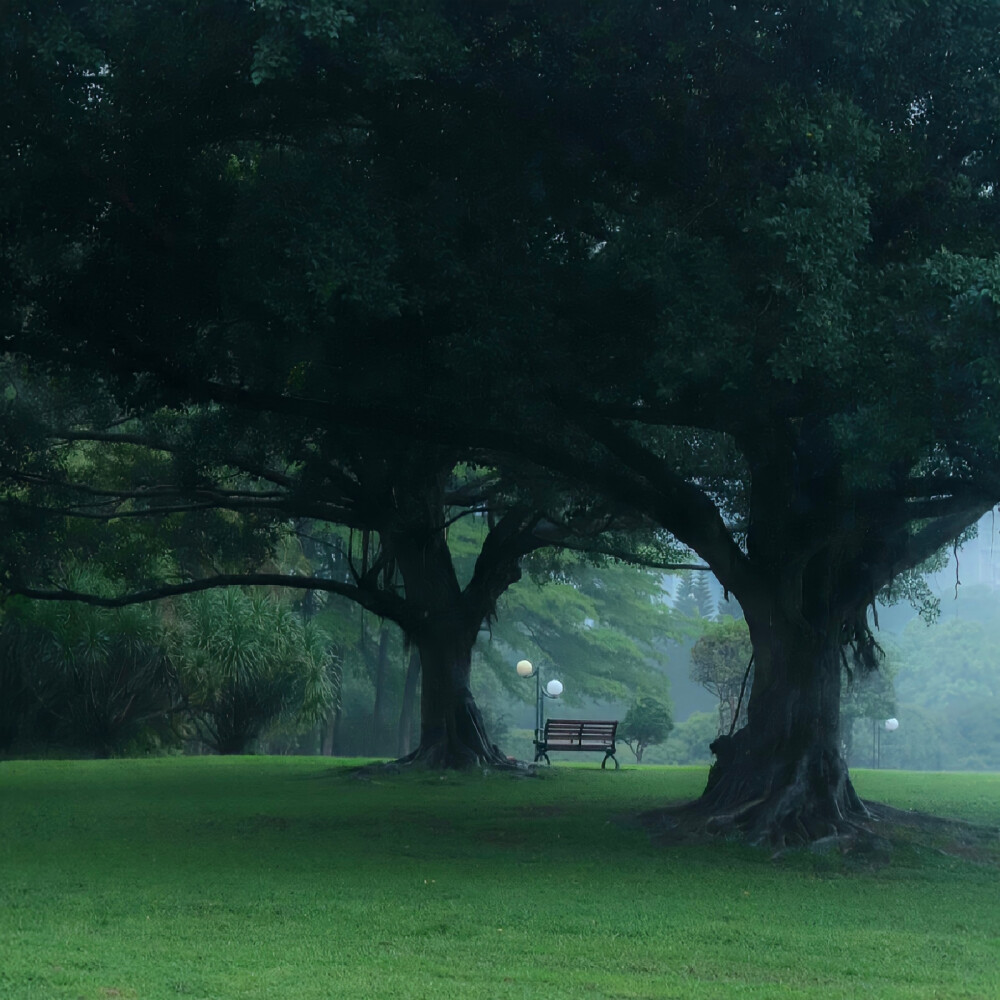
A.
pixel 327 734
pixel 409 708
pixel 378 708
pixel 336 749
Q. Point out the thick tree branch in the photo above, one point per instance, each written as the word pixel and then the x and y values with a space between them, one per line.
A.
pixel 900 551
pixel 911 550
pixel 165 490
pixel 499 562
pixel 677 505
pixel 174 448
pixel 384 604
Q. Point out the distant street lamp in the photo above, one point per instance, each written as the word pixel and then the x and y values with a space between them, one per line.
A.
pixel 890 726
pixel 553 689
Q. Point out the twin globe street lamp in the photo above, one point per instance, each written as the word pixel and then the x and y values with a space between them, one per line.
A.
pixel 553 689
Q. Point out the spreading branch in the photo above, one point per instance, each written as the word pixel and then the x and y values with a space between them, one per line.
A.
pixel 385 604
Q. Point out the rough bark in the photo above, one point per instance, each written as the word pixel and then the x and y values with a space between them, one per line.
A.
pixel 378 707
pixel 781 779
pixel 452 732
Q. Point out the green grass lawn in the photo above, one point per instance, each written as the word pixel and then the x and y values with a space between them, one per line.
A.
pixel 288 878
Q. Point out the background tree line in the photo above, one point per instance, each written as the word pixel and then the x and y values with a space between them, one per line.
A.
pixel 283 672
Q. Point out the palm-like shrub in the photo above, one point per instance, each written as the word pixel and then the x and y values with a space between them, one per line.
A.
pixel 246 660
pixel 93 678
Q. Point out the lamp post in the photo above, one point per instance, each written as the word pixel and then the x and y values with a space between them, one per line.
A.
pixel 890 726
pixel 553 689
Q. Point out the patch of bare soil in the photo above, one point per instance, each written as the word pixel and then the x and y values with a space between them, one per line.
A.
pixel 870 844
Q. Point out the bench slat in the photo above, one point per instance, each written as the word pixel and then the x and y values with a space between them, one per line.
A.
pixel 575 724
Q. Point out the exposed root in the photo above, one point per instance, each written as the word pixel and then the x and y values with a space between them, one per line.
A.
pixel 414 763
pixel 458 742
pixel 441 755
pixel 781 803
pixel 731 821
pixel 863 837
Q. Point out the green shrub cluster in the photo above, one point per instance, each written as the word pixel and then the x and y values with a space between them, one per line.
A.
pixel 219 668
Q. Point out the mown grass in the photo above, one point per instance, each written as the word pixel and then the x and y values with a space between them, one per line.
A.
pixel 287 878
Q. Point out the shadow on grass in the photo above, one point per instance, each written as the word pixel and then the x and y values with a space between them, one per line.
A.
pixel 888 834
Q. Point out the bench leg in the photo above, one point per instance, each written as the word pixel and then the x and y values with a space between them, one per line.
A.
pixel 613 757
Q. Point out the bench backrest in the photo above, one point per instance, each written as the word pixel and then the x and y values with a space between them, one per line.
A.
pixel 580 731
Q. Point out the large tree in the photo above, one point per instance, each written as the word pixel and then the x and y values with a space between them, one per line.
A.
pixel 782 344
pixel 231 298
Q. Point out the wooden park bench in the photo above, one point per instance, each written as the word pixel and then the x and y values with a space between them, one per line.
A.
pixel 575 736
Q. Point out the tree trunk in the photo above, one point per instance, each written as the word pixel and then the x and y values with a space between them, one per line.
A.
pixel 378 708
pixel 452 732
pixel 335 731
pixel 444 631
pixel 408 711
pixel 327 734
pixel 781 779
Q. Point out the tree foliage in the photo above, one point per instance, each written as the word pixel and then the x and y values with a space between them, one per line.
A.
pixel 720 662
pixel 243 661
pixel 647 723
pixel 93 679
pixel 224 667
pixel 599 626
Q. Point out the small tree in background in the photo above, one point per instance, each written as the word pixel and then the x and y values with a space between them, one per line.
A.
pixel 719 661
pixel 647 723
pixel 703 595
pixel 694 597
pixel 689 741
pixel 685 599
